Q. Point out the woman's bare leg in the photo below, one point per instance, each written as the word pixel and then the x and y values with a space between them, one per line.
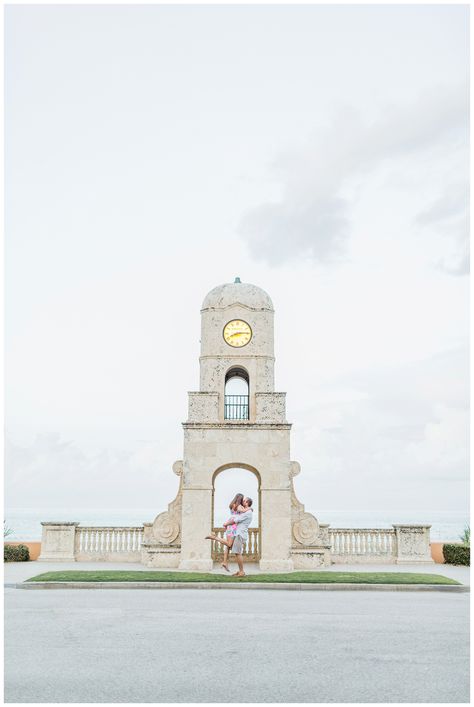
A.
pixel 227 542
pixel 223 541
pixel 227 548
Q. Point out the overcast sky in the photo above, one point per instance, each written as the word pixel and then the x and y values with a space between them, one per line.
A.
pixel 154 152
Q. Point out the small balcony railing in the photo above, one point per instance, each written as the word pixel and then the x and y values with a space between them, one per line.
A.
pixel 236 407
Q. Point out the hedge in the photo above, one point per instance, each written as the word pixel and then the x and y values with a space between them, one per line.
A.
pixel 457 554
pixel 16 553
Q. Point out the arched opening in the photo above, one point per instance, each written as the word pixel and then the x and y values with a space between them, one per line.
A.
pixel 227 481
pixel 236 394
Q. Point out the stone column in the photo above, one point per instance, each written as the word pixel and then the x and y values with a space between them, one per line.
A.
pixel 413 544
pixel 57 542
pixel 196 524
pixel 275 531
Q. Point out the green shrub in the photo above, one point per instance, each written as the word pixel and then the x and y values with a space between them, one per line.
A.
pixel 457 554
pixel 16 553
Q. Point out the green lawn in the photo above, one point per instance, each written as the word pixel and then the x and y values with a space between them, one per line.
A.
pixel 290 578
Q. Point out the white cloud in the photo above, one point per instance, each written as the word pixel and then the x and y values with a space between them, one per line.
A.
pixel 400 441
pixel 314 216
pixel 448 215
pixel 53 472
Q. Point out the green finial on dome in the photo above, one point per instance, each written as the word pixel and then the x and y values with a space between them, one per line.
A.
pixel 237 279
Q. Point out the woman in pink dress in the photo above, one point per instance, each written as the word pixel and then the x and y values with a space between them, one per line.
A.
pixel 235 507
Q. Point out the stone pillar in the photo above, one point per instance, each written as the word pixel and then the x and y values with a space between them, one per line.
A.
pixel 57 542
pixel 413 544
pixel 196 524
pixel 275 531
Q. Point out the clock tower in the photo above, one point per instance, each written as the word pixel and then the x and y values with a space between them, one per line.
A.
pixel 236 419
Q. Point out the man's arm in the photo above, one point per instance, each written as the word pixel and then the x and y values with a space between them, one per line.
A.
pixel 242 516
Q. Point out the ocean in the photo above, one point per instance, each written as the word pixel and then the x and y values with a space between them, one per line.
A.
pixel 26 522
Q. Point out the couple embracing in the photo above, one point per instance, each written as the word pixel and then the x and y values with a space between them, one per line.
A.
pixel 236 531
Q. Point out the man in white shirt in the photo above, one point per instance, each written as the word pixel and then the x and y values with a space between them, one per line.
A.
pixel 243 521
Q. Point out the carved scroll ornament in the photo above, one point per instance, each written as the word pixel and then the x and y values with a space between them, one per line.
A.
pixel 166 527
pixel 306 529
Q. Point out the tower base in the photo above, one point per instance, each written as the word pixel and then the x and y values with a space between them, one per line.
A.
pixel 276 565
pixel 196 565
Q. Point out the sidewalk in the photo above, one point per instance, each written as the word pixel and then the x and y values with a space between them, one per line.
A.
pixel 21 571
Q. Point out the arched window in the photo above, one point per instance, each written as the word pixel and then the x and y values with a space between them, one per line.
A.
pixel 236 395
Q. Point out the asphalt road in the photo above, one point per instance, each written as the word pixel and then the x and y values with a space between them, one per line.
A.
pixel 226 646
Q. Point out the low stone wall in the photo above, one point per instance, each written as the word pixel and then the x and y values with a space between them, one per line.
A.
pixel 401 544
pixel 364 545
pixel 112 544
pixel 58 542
pixel 66 542
pixel 437 553
pixel 437 550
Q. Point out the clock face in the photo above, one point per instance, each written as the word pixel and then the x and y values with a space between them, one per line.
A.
pixel 237 333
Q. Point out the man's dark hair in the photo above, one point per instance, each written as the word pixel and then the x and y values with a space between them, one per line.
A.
pixel 249 501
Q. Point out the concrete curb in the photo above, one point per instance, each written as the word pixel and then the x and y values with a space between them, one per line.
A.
pixel 254 585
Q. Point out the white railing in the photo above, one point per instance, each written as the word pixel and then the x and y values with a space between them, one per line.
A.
pixel 108 543
pixel 251 548
pixel 369 542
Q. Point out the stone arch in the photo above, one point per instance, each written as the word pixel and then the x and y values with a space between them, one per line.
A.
pixel 247 467
pixel 238 368
pixel 237 465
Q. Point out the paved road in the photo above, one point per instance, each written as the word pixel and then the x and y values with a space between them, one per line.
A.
pixel 183 646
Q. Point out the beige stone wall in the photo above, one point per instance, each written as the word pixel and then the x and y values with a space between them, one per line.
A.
pixel 33 547
pixel 262 449
pixel 203 407
pixel 196 515
pixel 270 407
pixel 217 357
pixel 214 321
pixel 413 544
pixel 437 553
pixel 58 541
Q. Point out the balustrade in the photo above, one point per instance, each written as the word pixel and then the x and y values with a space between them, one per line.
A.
pixel 95 542
pixel 369 542
pixel 401 544
pixel 251 551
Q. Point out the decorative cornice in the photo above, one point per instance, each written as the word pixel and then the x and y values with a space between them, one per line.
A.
pixel 236 426
pixel 236 355
pixel 237 304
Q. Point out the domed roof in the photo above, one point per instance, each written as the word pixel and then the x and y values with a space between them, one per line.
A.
pixel 237 292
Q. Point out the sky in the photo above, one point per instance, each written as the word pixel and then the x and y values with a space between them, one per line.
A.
pixel 319 152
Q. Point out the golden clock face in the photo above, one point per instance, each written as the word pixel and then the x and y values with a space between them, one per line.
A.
pixel 237 333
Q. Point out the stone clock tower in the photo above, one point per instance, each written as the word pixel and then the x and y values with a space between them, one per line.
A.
pixel 247 430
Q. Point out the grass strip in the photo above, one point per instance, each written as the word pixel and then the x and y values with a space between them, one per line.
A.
pixel 287 578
